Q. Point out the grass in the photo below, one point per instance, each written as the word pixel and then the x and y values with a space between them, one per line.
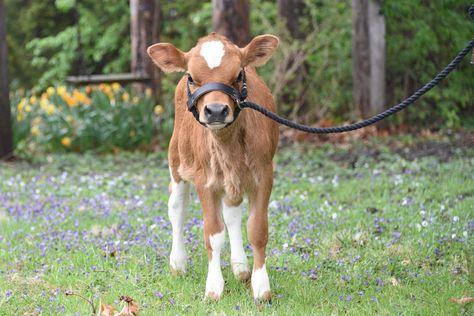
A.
pixel 354 230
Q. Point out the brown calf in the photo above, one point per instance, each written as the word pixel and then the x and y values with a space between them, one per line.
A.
pixel 223 162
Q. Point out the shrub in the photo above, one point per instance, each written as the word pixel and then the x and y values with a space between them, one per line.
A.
pixel 104 118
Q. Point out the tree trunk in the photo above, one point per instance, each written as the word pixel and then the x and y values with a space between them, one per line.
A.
pixel 145 24
pixel 368 57
pixel 295 93
pixel 6 134
pixel 231 19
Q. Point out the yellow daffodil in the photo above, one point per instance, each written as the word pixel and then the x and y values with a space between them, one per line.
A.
pixel 66 141
pixel 50 109
pixel 81 97
pixel 21 105
pixel 33 99
pixel 50 91
pixel 35 130
pixel 159 110
pixel 125 97
pixel 44 103
pixel 61 90
pixel 116 86
pixel 70 101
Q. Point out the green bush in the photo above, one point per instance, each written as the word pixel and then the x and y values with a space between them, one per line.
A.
pixel 104 118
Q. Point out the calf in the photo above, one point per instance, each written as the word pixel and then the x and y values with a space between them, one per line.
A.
pixel 224 156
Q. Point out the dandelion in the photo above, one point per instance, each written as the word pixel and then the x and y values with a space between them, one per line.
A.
pixel 159 110
pixel 66 141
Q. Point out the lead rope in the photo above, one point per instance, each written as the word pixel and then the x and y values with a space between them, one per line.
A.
pixel 346 128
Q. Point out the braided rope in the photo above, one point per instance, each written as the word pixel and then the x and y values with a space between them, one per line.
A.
pixel 346 128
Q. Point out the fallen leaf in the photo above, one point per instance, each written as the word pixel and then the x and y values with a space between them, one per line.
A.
pixel 394 281
pixel 130 308
pixel 106 310
pixel 463 300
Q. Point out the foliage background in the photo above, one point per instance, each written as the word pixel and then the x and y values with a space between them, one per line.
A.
pixel 422 37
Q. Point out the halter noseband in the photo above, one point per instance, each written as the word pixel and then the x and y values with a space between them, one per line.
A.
pixel 236 95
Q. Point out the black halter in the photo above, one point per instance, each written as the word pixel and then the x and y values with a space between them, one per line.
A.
pixel 236 95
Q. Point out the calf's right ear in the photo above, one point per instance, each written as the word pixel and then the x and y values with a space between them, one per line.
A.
pixel 167 57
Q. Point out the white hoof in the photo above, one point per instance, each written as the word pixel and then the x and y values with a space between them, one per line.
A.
pixel 261 284
pixel 214 286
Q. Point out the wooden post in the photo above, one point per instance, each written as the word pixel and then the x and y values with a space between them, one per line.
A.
pixel 6 134
pixel 368 57
pixel 145 23
pixel 231 19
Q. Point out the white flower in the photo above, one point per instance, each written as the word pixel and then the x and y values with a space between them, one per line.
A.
pixel 464 233
pixel 334 216
pixel 424 223
pixel 455 219
pixel 453 236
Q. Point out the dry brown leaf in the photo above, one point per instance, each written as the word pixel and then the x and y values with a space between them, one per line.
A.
pixel 463 300
pixel 394 281
pixel 130 308
pixel 106 310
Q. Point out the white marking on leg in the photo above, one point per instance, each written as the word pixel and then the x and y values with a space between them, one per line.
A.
pixel 215 281
pixel 260 283
pixel 233 222
pixel 177 209
pixel 212 52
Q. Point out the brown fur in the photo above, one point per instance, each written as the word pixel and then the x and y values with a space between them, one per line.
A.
pixel 230 162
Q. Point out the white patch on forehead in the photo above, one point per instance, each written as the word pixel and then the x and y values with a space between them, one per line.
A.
pixel 212 52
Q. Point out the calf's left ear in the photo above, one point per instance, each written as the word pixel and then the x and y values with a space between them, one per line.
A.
pixel 259 50
pixel 167 57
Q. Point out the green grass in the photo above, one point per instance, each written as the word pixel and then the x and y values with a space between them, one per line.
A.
pixel 361 222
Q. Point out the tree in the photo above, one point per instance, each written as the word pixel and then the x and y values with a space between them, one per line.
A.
pixel 6 134
pixel 368 57
pixel 231 19
pixel 145 31
pixel 296 90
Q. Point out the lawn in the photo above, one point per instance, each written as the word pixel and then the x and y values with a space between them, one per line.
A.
pixel 376 227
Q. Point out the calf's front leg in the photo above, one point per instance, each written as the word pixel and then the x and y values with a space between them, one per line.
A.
pixel 257 227
pixel 214 238
pixel 177 208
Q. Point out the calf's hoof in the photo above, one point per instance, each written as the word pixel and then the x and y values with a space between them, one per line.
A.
pixel 212 296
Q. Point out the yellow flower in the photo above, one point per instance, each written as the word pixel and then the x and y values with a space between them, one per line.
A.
pixel 148 92
pixel 132 134
pixel 135 100
pixel 69 119
pixel 88 89
pixel 61 90
pixel 28 109
pixel 125 97
pixel 44 103
pixel 21 105
pixel 50 109
pixel 159 110
pixel 70 101
pixel 66 142
pixel 81 97
pixel 116 86
pixel 50 91
pixel 33 99
pixel 35 130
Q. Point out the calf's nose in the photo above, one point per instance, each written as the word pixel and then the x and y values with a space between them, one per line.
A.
pixel 216 112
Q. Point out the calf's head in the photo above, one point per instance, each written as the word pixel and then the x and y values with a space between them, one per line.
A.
pixel 214 59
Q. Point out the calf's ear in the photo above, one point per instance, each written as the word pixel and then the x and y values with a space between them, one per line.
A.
pixel 167 57
pixel 259 50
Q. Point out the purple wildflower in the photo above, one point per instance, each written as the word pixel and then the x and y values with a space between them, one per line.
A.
pixel 159 294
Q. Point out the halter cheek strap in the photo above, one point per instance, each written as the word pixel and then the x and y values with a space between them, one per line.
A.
pixel 236 95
